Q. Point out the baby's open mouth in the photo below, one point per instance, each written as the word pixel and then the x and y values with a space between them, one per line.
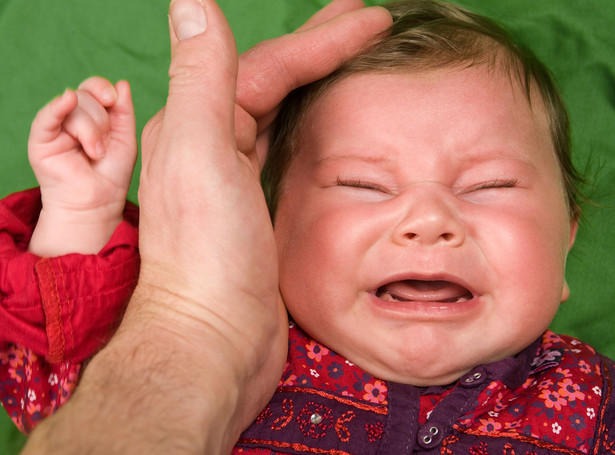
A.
pixel 424 291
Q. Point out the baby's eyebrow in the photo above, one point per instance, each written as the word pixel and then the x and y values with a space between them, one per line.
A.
pixel 472 159
pixel 370 159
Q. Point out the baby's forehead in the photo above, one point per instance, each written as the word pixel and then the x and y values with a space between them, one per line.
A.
pixel 377 91
pixel 472 116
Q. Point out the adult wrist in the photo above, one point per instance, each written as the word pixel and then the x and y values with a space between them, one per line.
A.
pixel 238 362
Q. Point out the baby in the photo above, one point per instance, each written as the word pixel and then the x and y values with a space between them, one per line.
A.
pixel 424 203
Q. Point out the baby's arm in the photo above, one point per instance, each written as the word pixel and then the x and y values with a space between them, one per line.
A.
pixel 82 148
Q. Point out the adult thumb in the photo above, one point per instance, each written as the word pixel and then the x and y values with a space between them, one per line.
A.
pixel 203 70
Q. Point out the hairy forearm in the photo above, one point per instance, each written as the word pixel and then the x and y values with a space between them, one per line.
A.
pixel 131 401
pixel 166 383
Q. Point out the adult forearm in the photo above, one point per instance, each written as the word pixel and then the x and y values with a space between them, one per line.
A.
pixel 164 384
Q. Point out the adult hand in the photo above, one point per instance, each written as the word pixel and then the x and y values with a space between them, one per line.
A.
pixel 203 342
pixel 273 68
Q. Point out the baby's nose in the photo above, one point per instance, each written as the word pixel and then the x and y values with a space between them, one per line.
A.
pixel 429 217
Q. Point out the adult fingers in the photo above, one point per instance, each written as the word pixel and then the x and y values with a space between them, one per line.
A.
pixel 270 70
pixel 273 68
pixel 333 9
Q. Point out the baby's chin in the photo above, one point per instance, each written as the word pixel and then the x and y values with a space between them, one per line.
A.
pixel 426 370
pixel 418 374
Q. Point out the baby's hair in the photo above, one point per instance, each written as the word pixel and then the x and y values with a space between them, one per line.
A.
pixel 428 35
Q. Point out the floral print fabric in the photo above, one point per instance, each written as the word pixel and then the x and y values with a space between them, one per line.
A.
pixel 31 388
pixel 563 403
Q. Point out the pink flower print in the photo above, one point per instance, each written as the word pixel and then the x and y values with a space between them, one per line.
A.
pixel 570 390
pixel 375 392
pixel 545 384
pixel 315 351
pixel 28 372
pixel 489 426
pixel 18 421
pixel 16 375
pixel 499 405
pixel 289 380
pixel 563 373
pixel 15 358
pixel 32 408
pixel 553 399
pixel 551 337
pixel 512 425
pixel 584 367
pixel 30 357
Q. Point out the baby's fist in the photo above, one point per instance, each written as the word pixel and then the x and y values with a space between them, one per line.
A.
pixel 82 148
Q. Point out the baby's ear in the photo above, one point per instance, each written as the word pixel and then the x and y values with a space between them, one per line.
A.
pixel 565 292
pixel 574 226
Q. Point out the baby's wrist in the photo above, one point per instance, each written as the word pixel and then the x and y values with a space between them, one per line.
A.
pixel 59 232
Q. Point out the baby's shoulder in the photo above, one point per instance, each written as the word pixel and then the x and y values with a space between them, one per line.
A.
pixel 568 356
pixel 566 399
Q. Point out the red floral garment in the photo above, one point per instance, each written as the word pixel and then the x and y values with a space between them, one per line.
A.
pixel 555 397
pixel 55 312
pixel 32 388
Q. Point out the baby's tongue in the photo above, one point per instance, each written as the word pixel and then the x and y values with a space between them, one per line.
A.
pixel 424 291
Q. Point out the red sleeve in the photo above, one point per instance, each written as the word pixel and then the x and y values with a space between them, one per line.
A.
pixel 63 308
pixel 55 313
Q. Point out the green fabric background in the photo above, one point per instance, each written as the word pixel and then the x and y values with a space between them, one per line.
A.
pixel 46 46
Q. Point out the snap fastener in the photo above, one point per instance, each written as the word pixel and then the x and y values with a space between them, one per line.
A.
pixel 429 436
pixel 428 439
pixel 474 379
pixel 316 418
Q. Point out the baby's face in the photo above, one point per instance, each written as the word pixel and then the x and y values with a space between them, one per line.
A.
pixel 423 227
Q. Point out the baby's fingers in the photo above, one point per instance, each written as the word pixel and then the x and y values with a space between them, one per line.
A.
pixel 47 124
pixel 122 114
pixel 101 90
pixel 89 124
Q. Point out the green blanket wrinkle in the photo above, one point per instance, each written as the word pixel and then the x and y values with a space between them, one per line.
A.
pixel 48 46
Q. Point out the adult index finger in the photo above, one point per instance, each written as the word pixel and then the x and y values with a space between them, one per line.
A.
pixel 333 9
pixel 270 70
